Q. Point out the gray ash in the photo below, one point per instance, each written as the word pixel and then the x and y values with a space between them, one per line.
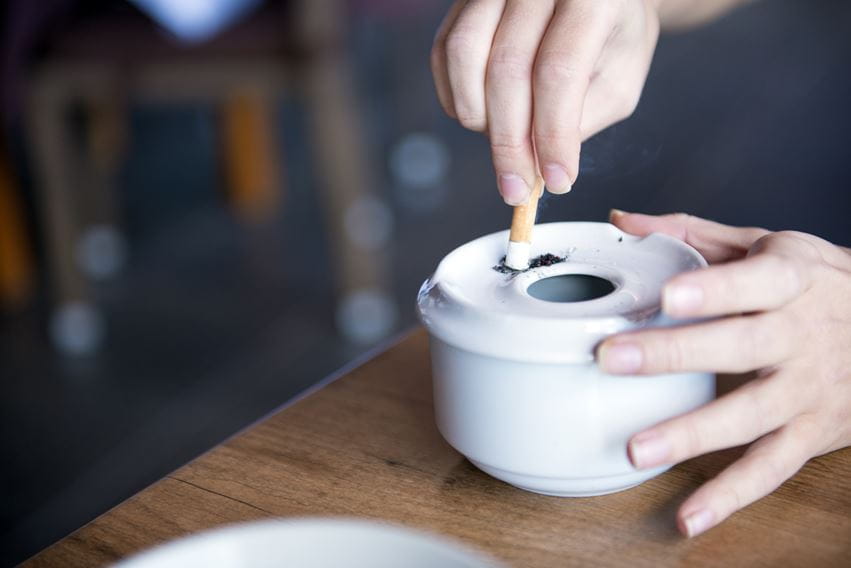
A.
pixel 547 259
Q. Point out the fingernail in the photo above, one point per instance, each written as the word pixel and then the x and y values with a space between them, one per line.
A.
pixel 556 178
pixel 513 189
pixel 682 299
pixel 698 522
pixel 648 449
pixel 616 213
pixel 620 358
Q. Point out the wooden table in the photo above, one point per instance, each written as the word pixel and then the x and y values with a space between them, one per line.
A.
pixel 365 445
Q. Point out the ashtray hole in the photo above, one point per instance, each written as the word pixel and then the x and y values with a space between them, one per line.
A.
pixel 570 288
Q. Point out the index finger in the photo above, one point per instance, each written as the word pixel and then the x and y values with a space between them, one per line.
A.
pixel 509 96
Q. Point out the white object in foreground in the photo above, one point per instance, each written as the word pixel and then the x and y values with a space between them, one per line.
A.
pixel 310 543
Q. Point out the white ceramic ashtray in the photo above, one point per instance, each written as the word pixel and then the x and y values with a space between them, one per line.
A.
pixel 516 387
pixel 310 543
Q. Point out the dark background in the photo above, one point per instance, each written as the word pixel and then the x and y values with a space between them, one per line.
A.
pixel 212 324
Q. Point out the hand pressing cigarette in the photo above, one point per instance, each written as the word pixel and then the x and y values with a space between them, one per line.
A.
pixel 541 75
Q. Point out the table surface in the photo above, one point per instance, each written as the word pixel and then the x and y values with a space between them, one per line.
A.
pixel 366 446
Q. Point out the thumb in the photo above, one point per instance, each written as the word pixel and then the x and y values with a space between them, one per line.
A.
pixel 716 242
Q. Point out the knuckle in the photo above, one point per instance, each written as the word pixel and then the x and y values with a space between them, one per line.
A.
pixel 771 473
pixel 560 145
pixel 509 64
pixel 457 45
pixel 471 120
pixel 757 239
pixel 762 243
pixel 671 355
pixel 509 147
pixel 556 132
pixel 789 235
pixel 755 337
pixel 787 269
pixel 757 405
pixel 787 272
pixel 732 496
pixel 552 71
pixel 693 444
pixel 610 10
pixel 683 223
pixel 604 14
pixel 721 291
pixel 683 219
pixel 809 429
pixel 796 242
pixel 761 415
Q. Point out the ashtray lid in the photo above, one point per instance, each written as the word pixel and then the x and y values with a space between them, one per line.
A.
pixel 593 280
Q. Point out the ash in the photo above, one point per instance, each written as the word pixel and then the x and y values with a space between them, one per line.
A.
pixel 547 259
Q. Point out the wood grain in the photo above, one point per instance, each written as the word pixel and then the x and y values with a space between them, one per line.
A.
pixel 366 446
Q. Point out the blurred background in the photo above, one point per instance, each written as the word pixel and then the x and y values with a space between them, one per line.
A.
pixel 209 206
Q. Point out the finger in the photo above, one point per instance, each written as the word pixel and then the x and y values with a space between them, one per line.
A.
pixel 563 69
pixel 764 467
pixel 764 281
pixel 716 242
pixel 439 71
pixel 730 345
pixel 754 409
pixel 508 95
pixel 468 45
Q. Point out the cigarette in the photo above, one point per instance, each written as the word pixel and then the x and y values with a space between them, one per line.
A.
pixel 520 238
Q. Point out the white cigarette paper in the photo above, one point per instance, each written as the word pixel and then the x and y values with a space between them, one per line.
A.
pixel 517 255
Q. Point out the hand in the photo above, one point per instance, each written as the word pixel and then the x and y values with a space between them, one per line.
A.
pixel 784 301
pixel 541 76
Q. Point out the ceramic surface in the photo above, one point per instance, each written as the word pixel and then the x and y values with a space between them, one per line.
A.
pixel 516 388
pixel 310 543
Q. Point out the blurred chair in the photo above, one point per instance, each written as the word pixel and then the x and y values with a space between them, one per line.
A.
pixel 251 165
pixel 102 65
pixel 16 266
